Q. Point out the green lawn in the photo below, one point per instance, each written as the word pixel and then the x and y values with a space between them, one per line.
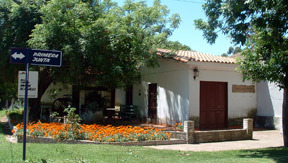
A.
pixel 10 152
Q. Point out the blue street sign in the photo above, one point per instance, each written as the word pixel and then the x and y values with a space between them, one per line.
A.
pixel 46 57
pixel 18 56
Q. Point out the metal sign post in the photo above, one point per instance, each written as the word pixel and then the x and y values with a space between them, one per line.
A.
pixel 35 57
pixel 25 110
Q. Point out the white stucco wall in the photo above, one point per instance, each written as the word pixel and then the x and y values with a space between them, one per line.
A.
pixel 178 93
pixel 172 80
pixel 120 97
pixel 270 100
pixel 55 91
pixel 239 104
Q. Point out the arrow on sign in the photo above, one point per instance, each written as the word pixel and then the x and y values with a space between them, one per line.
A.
pixel 16 55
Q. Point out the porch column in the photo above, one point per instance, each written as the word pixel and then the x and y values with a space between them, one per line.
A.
pixel 189 130
pixel 248 125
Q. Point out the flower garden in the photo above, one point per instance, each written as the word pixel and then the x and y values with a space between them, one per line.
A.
pixel 94 132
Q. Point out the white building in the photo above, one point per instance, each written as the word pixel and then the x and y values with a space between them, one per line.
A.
pixel 195 86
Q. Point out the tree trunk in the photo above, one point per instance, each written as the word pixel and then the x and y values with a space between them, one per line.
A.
pixel 285 117
pixel 6 103
pixel 44 82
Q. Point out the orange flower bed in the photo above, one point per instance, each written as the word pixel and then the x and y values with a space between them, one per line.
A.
pixel 94 132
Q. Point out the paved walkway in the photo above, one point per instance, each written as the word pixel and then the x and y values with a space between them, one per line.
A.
pixel 3 118
pixel 261 139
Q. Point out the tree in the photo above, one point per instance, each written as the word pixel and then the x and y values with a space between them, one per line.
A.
pixel 237 50
pixel 232 51
pixel 174 45
pixel 262 27
pixel 224 55
pixel 16 24
pixel 102 43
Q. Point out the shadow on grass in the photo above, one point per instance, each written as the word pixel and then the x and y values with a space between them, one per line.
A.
pixel 4 128
pixel 278 155
pixel 1 129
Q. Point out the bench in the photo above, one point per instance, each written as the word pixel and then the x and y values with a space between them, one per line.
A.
pixel 128 112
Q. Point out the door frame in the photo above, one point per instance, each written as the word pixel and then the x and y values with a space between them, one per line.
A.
pixel 149 101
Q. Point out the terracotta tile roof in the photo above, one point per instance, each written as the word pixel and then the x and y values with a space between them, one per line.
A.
pixel 185 56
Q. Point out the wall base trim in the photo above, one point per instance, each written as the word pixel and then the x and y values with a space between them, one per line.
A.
pixel 268 122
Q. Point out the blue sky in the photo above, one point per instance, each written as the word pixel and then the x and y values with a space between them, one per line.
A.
pixel 189 10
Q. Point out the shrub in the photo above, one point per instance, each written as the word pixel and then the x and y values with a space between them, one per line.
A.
pixel 15 115
pixel 180 126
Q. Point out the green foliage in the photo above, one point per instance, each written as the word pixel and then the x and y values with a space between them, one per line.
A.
pixel 15 115
pixel 241 19
pixel 54 117
pixel 72 118
pixel 180 126
pixel 8 90
pixel 72 129
pixel 72 126
pixel 265 60
pixel 259 25
pixel 103 42
pixel 17 22
pixel 174 45
pixel 237 50
pixel 232 51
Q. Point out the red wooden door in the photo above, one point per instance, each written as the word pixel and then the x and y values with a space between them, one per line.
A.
pixel 152 101
pixel 213 105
